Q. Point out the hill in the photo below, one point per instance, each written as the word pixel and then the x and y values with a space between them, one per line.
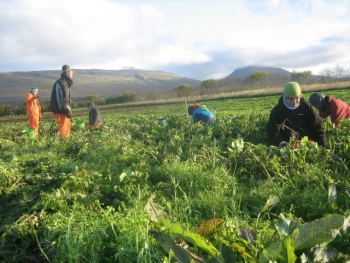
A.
pixel 248 71
pixel 105 83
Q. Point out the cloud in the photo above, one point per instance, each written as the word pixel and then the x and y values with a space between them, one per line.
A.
pixel 196 39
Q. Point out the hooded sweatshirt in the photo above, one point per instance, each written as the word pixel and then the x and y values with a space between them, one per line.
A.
pixel 94 115
pixel 60 96
pixel 204 115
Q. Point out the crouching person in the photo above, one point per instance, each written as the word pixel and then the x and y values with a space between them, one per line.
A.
pixel 94 117
pixel 200 113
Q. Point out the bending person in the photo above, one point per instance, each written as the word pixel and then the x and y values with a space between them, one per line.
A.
pixel 200 113
pixel 330 106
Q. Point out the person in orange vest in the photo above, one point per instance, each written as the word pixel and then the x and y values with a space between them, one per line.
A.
pixel 34 112
pixel 60 104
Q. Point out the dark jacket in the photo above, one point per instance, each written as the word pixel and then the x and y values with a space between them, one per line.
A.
pixel 60 96
pixel 304 120
pixel 94 115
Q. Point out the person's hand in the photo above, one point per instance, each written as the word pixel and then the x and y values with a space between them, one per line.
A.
pixel 68 113
pixel 37 97
pixel 283 144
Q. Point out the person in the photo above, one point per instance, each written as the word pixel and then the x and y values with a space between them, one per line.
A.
pixel 94 116
pixel 293 118
pixel 200 113
pixel 330 106
pixel 34 111
pixel 60 104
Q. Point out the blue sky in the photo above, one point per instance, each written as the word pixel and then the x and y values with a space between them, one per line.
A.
pixel 198 39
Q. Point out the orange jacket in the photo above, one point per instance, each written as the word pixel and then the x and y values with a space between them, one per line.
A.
pixel 33 106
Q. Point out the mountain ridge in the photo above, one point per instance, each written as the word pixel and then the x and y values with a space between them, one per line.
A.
pixel 105 83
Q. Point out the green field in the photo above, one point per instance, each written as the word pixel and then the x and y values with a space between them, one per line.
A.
pixel 139 192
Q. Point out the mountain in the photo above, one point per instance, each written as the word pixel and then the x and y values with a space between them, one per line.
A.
pixel 105 83
pixel 248 71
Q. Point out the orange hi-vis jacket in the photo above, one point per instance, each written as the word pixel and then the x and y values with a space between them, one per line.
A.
pixel 33 106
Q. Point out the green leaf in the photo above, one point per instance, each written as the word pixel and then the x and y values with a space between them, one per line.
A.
pixel 332 193
pixel 168 244
pixel 195 239
pixel 319 231
pixel 285 227
pixel 273 200
pixel 286 254
pixel 271 253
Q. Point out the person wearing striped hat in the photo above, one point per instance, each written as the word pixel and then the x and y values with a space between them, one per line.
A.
pixel 34 111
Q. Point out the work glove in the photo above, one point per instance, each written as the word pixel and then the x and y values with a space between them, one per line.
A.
pixel 68 113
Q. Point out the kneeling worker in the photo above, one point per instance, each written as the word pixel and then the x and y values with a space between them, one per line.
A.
pixel 94 117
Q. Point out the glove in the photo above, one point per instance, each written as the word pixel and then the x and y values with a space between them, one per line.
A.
pixel 283 144
pixel 68 113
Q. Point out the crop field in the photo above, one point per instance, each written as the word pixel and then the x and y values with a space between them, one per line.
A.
pixel 136 191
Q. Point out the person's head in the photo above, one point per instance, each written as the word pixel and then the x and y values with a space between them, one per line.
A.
pixel 292 94
pixel 190 110
pixel 91 105
pixel 34 90
pixel 68 70
pixel 316 100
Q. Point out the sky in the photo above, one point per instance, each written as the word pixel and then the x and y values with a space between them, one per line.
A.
pixel 198 39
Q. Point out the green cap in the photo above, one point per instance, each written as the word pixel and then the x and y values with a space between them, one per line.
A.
pixel 292 89
pixel 33 89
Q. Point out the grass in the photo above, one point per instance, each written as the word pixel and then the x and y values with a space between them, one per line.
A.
pixel 85 199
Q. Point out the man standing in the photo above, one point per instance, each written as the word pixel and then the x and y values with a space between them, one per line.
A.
pixel 34 112
pixel 60 101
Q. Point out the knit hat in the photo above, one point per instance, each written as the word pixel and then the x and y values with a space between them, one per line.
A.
pixel 203 107
pixel 66 68
pixel 34 89
pixel 292 89
pixel 196 106
pixel 316 100
pixel 91 104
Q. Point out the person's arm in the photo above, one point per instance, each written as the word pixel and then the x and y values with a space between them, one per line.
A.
pixel 195 117
pixel 272 129
pixel 30 98
pixel 316 127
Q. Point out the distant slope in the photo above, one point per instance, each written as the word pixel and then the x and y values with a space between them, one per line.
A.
pixel 15 85
pixel 248 71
